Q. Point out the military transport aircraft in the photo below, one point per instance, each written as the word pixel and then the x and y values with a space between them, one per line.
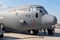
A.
pixel 28 17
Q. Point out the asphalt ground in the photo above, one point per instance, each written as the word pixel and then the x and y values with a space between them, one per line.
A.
pixel 25 36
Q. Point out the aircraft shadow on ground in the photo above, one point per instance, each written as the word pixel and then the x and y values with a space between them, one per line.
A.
pixel 39 34
pixel 8 37
pixel 55 35
pixel 14 38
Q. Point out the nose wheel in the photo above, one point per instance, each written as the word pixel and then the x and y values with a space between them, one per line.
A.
pixel 33 32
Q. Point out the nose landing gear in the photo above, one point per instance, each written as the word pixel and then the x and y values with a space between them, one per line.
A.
pixel 1 31
pixel 33 32
pixel 51 30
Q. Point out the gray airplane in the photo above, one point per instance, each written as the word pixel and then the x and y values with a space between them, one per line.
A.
pixel 28 17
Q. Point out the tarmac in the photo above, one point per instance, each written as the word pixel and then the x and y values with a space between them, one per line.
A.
pixel 26 36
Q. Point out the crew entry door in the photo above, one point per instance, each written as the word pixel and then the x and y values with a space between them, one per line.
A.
pixel 34 21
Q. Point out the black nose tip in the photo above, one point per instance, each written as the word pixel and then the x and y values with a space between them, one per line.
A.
pixel 49 19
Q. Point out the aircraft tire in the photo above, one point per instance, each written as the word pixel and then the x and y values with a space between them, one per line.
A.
pixel 1 36
pixel 50 32
pixel 33 32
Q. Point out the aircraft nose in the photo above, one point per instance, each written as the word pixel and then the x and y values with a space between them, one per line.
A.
pixel 48 19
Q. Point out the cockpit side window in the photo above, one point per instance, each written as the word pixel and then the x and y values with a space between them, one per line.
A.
pixel 45 11
pixel 36 15
pixel 42 10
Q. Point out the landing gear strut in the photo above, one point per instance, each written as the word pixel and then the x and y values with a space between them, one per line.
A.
pixel 44 31
pixel 1 26
pixel 1 31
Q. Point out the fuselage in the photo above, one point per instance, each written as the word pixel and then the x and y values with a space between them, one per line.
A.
pixel 24 18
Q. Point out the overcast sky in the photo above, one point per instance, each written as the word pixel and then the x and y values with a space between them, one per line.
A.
pixel 52 6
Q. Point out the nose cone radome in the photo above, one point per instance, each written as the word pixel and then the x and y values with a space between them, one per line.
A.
pixel 48 19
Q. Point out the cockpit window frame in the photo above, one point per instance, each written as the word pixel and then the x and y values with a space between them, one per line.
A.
pixel 37 8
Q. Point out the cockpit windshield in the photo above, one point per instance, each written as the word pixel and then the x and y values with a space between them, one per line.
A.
pixel 39 8
pixel 33 8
